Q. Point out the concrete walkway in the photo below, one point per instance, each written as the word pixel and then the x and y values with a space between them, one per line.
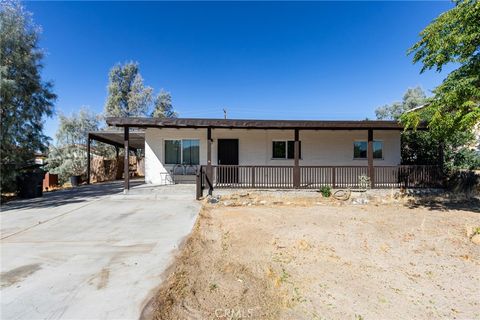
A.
pixel 92 252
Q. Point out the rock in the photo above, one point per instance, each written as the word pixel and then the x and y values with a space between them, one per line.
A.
pixel 476 239
pixel 360 201
pixel 263 202
pixel 213 200
pixel 227 203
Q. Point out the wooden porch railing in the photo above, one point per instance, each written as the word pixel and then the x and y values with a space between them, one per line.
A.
pixel 314 177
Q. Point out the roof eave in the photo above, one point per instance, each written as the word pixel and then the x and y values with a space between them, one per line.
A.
pixel 255 124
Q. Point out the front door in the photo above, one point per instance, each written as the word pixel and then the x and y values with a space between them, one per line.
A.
pixel 227 155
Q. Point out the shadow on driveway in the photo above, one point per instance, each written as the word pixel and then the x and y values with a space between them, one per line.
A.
pixel 70 196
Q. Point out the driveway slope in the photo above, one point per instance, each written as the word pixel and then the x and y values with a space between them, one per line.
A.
pixel 96 254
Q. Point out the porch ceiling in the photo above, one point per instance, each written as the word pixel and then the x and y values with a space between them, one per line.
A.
pixel 255 124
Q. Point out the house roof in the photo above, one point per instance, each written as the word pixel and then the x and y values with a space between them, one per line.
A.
pixel 254 124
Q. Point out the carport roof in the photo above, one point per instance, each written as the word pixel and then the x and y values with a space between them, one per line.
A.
pixel 115 138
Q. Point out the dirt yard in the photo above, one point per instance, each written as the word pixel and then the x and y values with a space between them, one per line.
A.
pixel 257 256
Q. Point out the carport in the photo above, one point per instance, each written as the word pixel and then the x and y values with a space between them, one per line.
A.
pixel 129 140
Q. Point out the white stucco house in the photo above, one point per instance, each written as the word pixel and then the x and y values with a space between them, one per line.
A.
pixel 268 153
pixel 167 147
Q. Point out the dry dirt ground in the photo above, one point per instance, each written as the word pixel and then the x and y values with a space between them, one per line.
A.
pixel 257 256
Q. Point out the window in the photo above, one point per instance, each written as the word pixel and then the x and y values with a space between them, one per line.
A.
pixel 279 150
pixel 191 152
pixel 360 149
pixel 285 149
pixel 182 152
pixel 173 151
pixel 377 150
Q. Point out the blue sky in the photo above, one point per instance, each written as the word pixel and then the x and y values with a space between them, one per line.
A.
pixel 270 60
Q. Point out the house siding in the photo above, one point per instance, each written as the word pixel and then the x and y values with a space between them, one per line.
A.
pixel 322 147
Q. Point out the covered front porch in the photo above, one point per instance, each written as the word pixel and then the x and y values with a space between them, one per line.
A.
pixel 279 153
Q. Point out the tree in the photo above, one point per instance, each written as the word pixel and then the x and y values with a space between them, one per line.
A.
pixel 422 147
pixel 69 156
pixel 24 98
pixel 453 37
pixel 414 97
pixel 127 95
pixel 163 106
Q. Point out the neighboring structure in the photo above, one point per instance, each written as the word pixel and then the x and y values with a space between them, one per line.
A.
pixel 269 153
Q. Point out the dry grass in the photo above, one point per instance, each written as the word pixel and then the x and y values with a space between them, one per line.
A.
pixel 274 256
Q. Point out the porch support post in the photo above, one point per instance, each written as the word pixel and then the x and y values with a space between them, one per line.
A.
pixel 371 174
pixel 126 173
pixel 209 161
pixel 296 157
pixel 117 149
pixel 89 140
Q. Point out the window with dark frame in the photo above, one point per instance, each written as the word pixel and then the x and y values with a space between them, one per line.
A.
pixel 191 152
pixel 285 149
pixel 360 149
pixel 185 151
pixel 173 149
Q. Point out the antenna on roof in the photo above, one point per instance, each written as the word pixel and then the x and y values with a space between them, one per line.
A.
pixel 224 113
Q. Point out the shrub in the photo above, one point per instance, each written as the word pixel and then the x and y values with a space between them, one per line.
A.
pixel 466 182
pixel 364 182
pixel 326 191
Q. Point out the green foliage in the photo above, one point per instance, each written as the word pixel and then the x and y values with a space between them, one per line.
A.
pixel 413 97
pixel 476 231
pixel 163 106
pixel 453 37
pixel 326 191
pixel 69 156
pixel 127 95
pixel 24 98
pixel 423 147
pixel 418 147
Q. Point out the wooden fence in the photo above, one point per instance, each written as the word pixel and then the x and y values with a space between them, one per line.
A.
pixel 314 177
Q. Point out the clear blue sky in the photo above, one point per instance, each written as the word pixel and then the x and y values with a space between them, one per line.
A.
pixel 270 60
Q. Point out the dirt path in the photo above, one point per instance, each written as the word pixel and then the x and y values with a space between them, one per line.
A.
pixel 320 260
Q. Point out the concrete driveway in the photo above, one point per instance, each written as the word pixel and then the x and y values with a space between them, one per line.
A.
pixel 91 252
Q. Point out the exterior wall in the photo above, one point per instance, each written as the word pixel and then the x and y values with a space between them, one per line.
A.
pixel 156 172
pixel 322 147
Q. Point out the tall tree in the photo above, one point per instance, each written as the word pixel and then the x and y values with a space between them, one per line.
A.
pixel 413 97
pixel 127 95
pixel 69 156
pixel 163 106
pixel 422 147
pixel 453 37
pixel 24 98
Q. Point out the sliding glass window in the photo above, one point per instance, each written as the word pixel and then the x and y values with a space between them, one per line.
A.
pixel 173 149
pixel 191 152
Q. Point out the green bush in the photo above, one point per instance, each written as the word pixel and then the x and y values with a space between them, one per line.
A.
pixel 326 191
